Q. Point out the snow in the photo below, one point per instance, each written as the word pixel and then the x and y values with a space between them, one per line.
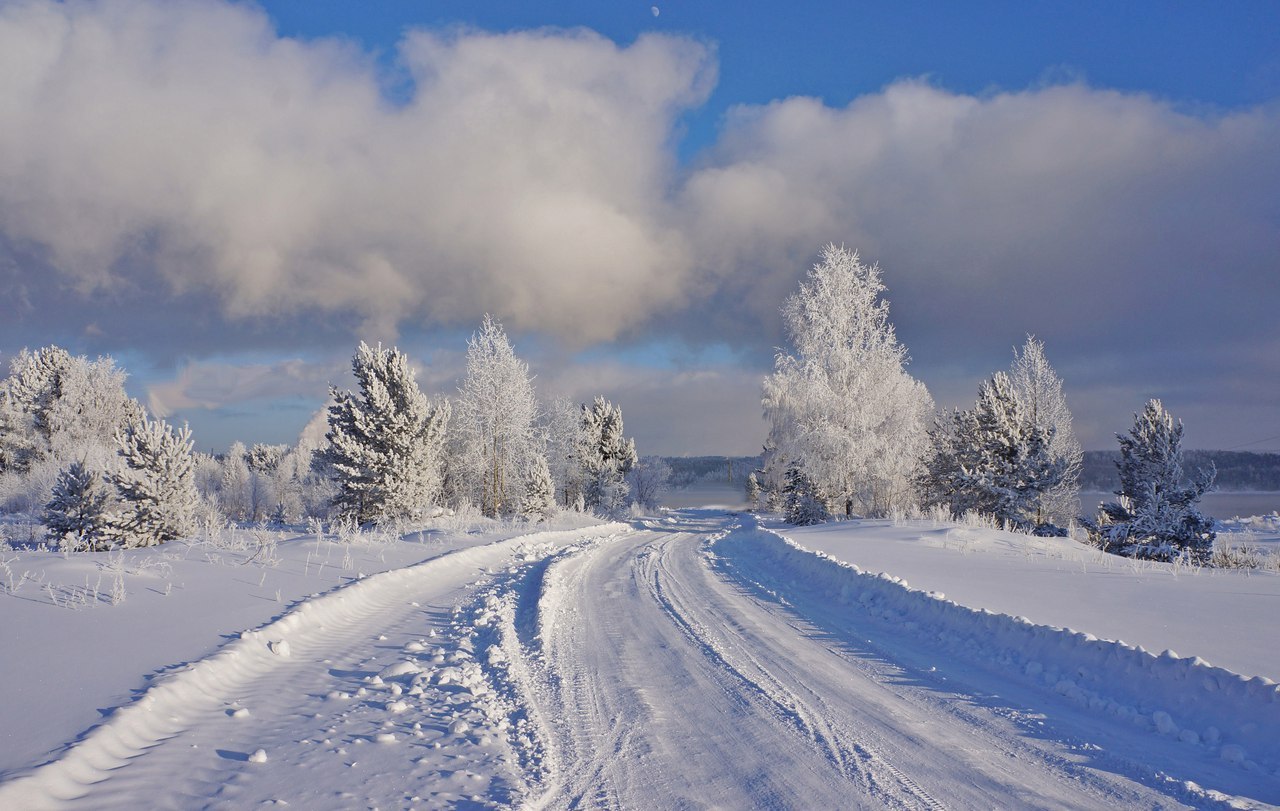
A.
pixel 1218 615
pixel 699 658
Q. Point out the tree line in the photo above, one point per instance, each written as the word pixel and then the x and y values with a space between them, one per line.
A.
pixel 104 474
pixel 853 434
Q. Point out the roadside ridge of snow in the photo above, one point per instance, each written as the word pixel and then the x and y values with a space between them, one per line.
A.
pixel 1222 712
pixel 166 708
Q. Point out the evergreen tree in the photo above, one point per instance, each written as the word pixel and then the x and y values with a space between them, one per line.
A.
pixel 386 444
pixel 607 456
pixel 538 501
pixel 802 503
pixel 842 407
pixel 994 459
pixel 80 515
pixel 1156 515
pixel 156 483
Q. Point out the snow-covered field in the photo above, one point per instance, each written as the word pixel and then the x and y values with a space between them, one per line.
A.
pixel 698 659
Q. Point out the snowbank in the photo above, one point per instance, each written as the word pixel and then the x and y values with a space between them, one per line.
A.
pixel 1230 716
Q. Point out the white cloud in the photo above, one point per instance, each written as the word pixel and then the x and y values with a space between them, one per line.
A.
pixel 186 147
pixel 525 176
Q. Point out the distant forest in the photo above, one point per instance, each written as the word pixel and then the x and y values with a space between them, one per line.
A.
pixel 1237 470
pixel 687 470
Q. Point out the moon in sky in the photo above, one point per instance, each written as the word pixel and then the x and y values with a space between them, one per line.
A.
pixel 656 11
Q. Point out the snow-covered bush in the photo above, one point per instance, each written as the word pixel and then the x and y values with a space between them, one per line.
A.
pixel 1155 516
pixel 538 501
pixel 841 407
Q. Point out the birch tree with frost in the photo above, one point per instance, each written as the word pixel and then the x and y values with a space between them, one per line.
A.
pixel 495 440
pixel 841 407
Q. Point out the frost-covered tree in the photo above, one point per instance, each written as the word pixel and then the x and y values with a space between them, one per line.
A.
pixel 538 499
pixel 993 459
pixel 81 514
pixel 235 487
pixel 18 440
pixel 753 491
pixel 607 457
pixel 156 483
pixel 495 440
pixel 1156 515
pixel 649 479
pixel 55 406
pixel 1039 389
pixel 841 407
pixel 385 445
pixel 802 502
pixel 562 426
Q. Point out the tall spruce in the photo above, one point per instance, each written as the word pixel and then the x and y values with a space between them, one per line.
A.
pixel 386 444
pixel 607 456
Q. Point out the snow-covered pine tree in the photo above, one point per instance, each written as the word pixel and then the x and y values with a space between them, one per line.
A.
pixel 994 459
pixel 802 502
pixel 1039 389
pixel 1156 515
pixel 495 440
pixel 386 444
pixel 80 516
pixel 538 501
pixel 842 407
pixel 156 483
pixel 607 456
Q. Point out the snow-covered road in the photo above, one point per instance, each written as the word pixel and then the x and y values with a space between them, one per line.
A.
pixel 676 663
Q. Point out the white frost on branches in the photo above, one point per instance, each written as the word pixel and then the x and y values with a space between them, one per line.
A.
pixel 495 442
pixel 841 407
pixel 385 449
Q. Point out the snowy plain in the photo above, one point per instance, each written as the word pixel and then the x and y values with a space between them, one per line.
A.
pixel 702 658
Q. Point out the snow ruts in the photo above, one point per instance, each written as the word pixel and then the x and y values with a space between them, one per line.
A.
pixel 653 680
pixel 203 691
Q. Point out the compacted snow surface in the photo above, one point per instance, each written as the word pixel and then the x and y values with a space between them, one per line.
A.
pixel 699 659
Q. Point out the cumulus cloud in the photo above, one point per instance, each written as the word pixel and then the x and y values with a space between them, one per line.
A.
pixel 184 153
pixel 215 384
pixel 186 143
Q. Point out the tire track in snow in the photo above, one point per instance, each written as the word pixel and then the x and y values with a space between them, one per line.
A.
pixel 108 764
pixel 672 684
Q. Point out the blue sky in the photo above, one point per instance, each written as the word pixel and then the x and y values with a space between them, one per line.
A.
pixel 226 197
